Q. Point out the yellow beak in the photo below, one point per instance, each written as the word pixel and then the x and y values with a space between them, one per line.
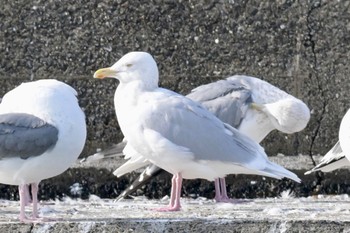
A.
pixel 104 73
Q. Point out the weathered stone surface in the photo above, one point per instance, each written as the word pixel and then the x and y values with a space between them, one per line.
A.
pixel 283 214
pixel 300 46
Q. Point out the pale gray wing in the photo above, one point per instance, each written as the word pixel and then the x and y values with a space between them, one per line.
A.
pixel 192 126
pixel 228 99
pixel 24 135
pixel 333 160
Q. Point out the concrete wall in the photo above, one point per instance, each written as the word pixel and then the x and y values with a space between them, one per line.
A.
pixel 300 46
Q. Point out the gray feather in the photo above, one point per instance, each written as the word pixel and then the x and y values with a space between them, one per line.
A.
pixel 226 99
pixel 24 135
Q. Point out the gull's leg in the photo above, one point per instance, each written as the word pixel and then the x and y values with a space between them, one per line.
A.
pixel 35 218
pixel 35 187
pixel 173 191
pixel 27 197
pixel 223 189
pixel 218 194
pixel 22 196
pixel 22 189
pixel 176 205
pixel 176 184
pixel 220 184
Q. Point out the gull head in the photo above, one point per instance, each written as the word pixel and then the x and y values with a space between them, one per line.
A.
pixel 133 66
pixel 287 115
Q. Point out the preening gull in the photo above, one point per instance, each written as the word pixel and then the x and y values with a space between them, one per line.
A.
pixel 178 134
pixel 251 105
pixel 339 155
pixel 42 132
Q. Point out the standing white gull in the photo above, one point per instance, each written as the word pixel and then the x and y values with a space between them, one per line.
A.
pixel 339 155
pixel 251 105
pixel 171 131
pixel 42 132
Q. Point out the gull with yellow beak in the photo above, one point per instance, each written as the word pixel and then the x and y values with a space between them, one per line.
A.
pixel 178 134
pixel 251 105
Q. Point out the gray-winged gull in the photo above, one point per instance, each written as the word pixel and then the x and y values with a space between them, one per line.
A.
pixel 253 106
pixel 42 132
pixel 178 134
pixel 339 155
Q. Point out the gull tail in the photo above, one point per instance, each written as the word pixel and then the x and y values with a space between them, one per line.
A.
pixel 115 150
pixel 132 164
pixel 276 171
pixel 150 172
pixel 334 159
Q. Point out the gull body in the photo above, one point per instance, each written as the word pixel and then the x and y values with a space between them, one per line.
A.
pixel 171 131
pixel 251 105
pixel 43 131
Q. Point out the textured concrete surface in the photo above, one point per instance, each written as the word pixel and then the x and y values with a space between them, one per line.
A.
pixel 300 46
pixel 277 215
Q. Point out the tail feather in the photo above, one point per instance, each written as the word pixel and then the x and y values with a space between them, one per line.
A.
pixel 148 174
pixel 276 171
pixel 131 165
pixel 330 166
pixel 116 150
pixel 334 159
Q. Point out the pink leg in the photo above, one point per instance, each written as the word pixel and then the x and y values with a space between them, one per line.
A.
pixel 223 189
pixel 218 194
pixel 173 191
pixel 22 189
pixel 174 204
pixel 27 198
pixel 220 186
pixel 35 188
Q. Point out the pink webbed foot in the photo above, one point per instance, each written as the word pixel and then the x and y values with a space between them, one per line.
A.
pixel 23 196
pixel 169 208
pixel 175 195
pixel 221 193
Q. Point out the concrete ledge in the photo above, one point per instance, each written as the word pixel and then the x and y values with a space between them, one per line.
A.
pixel 284 214
pixel 284 210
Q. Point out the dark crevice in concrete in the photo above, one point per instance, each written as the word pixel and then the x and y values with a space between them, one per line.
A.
pixel 312 43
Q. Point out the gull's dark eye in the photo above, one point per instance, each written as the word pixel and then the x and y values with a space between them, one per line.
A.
pixel 128 65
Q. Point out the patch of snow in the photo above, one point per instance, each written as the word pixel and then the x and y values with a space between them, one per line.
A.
pixel 76 189
pixel 44 210
pixel 287 194
pixel 94 198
